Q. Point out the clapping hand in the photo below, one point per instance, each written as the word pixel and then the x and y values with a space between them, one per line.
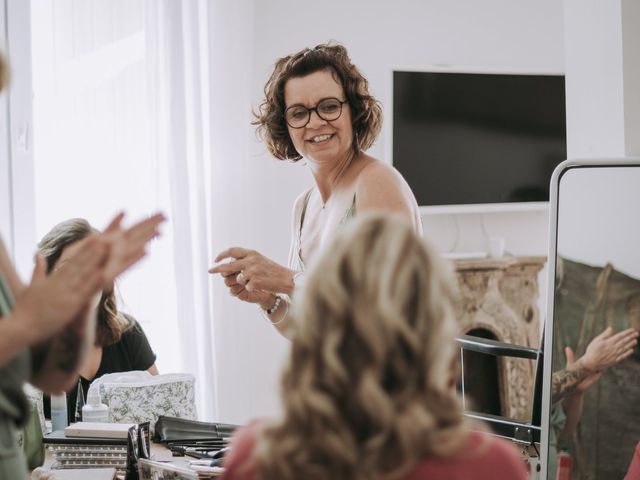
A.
pixel 51 302
pixel 606 350
pixel 127 245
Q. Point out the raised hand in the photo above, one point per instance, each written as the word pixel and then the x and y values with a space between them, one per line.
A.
pixel 128 245
pixel 49 303
pixel 607 349
pixel 604 351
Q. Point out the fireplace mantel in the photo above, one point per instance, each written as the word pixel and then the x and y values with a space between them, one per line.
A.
pixel 501 296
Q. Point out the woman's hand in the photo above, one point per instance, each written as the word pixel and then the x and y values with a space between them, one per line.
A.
pixel 49 303
pixel 127 246
pixel 238 290
pixel 251 276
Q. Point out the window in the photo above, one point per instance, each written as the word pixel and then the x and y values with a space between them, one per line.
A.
pixel 95 149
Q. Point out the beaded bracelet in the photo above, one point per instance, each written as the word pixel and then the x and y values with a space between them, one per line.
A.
pixel 284 315
pixel 274 307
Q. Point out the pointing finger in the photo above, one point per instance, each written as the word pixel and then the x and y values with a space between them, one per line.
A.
pixel 233 252
pixel 228 268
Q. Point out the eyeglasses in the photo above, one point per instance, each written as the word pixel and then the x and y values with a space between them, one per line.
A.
pixel 329 109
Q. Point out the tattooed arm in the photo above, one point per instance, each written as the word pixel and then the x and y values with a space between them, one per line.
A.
pixel 604 351
pixel 564 382
pixel 573 401
pixel 55 362
pixel 42 309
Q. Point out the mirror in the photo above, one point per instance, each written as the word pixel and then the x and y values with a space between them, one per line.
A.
pixel 595 241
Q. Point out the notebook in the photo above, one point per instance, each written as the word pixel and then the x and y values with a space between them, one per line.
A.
pixel 98 430
pixel 84 474
pixel 58 437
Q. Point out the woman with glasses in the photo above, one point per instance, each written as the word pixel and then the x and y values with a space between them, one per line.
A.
pixel 318 107
pixel 369 391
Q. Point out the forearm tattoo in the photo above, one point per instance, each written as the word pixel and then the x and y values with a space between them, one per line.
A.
pixel 564 382
pixel 66 351
pixel 62 353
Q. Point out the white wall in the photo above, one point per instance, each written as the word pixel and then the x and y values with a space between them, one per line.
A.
pixel 589 231
pixel 259 191
pixel 247 349
pixel 602 66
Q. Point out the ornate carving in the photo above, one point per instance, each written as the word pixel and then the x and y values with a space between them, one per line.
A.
pixel 501 296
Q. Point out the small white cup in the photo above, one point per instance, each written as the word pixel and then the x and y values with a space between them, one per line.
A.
pixel 496 247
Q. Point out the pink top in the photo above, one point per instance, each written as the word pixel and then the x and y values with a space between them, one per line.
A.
pixel 486 458
pixel 634 468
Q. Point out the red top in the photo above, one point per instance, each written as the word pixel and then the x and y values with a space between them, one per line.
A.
pixel 485 458
pixel 634 468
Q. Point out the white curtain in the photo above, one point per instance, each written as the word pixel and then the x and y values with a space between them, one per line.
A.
pixel 179 81
pixel 121 112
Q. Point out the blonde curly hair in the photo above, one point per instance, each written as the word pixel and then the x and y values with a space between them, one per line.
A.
pixel 368 390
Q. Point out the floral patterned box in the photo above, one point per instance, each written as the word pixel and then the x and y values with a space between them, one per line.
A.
pixel 136 400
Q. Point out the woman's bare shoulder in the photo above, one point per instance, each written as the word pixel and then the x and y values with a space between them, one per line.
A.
pixel 372 167
pixel 380 187
pixel 378 174
pixel 379 182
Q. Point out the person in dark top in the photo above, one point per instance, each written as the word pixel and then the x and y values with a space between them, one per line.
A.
pixel 120 346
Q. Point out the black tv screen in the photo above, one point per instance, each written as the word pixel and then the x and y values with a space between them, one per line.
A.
pixel 475 138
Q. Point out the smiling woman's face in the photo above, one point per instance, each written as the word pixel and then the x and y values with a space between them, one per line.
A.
pixel 320 141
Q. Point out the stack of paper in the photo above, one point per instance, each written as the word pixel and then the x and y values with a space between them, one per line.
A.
pixel 89 473
pixel 98 430
pixel 90 445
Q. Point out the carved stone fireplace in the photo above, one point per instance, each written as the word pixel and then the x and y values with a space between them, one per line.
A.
pixel 499 301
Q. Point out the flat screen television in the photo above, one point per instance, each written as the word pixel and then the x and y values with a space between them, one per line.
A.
pixel 478 138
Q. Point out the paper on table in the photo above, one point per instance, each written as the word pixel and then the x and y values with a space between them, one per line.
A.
pixel 98 430
pixel 80 474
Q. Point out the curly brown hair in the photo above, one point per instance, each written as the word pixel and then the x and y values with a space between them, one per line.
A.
pixel 366 111
pixel 111 323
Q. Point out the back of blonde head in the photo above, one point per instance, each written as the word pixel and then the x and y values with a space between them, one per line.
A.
pixel 367 390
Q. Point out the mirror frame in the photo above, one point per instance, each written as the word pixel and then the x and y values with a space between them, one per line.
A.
pixel 560 170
